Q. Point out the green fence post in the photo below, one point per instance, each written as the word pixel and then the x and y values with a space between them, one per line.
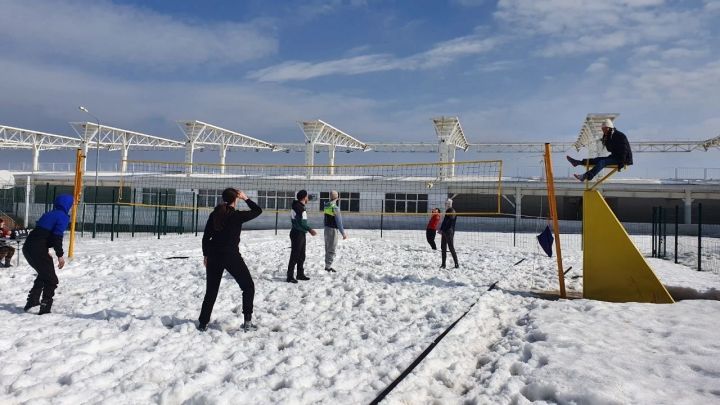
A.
pixel 165 214
pixel 197 214
pixel 699 236
pixel 677 213
pixel 180 220
pixel 132 223
pixel 112 217
pixel 382 214
pixel 157 215
pixel 82 226
pixel 192 213
pixel 47 194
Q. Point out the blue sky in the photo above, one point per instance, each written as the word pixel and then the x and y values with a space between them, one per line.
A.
pixel 512 70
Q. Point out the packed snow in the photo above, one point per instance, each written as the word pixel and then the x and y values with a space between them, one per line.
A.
pixel 123 329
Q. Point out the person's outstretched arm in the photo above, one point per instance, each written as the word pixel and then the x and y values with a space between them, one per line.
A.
pixel 254 212
pixel 338 221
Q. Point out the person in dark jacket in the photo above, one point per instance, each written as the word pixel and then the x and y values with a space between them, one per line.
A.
pixel 48 233
pixel 220 252
pixel 298 219
pixel 432 227
pixel 447 232
pixel 620 153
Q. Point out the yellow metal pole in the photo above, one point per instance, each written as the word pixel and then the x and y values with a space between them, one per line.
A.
pixel 76 199
pixel 553 214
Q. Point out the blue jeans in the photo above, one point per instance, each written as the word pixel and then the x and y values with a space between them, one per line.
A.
pixel 599 164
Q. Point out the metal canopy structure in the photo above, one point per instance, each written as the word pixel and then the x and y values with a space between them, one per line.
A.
pixel 318 132
pixel 120 139
pixel 201 134
pixel 18 138
pixel 451 137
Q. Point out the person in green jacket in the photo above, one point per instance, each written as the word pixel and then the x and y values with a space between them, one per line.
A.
pixel 298 218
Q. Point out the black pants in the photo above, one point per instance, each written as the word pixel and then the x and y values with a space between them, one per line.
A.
pixel 46 281
pixel 235 265
pixel 448 240
pixel 430 235
pixel 297 254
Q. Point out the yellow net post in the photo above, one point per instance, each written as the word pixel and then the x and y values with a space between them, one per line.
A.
pixel 553 214
pixel 77 190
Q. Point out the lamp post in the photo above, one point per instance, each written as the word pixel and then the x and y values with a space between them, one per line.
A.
pixel 97 160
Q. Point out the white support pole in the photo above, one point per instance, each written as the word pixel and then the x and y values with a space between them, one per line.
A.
pixel 223 154
pixel 36 158
pixel 189 152
pixel 85 148
pixel 310 157
pixel 123 158
pixel 688 207
pixel 331 153
pixel 27 202
pixel 444 158
pixel 451 155
pixel 518 202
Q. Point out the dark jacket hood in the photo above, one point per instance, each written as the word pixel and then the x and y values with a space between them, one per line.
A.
pixel 64 202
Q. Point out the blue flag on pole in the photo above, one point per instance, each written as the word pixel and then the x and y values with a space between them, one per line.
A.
pixel 546 240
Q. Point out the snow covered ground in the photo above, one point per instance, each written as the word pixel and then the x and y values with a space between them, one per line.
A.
pixel 122 330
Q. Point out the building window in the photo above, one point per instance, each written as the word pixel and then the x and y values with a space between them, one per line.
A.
pixel 158 196
pixel 348 201
pixel 275 200
pixel 209 197
pixel 411 203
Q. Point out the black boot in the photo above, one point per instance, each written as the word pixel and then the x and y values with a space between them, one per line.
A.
pixel 31 304
pixel 45 307
pixel 33 299
pixel 7 263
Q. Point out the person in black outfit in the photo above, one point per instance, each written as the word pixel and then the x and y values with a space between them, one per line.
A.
pixel 298 219
pixel 447 230
pixel 220 250
pixel 616 143
pixel 48 233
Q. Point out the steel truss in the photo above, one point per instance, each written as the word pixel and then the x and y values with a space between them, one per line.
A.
pixel 202 135
pixel 319 132
pixel 18 138
pixel 120 139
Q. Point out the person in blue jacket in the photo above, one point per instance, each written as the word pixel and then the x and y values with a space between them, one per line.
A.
pixel 48 233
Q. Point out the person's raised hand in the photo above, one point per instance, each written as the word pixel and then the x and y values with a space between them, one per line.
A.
pixel 242 196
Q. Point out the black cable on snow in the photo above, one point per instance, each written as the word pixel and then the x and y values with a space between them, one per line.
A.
pixel 427 351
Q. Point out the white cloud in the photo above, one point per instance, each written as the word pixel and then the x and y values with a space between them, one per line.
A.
pixel 574 27
pixel 712 5
pixel 109 34
pixel 599 66
pixel 441 54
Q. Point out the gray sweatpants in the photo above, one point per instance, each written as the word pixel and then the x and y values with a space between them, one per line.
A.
pixel 331 240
